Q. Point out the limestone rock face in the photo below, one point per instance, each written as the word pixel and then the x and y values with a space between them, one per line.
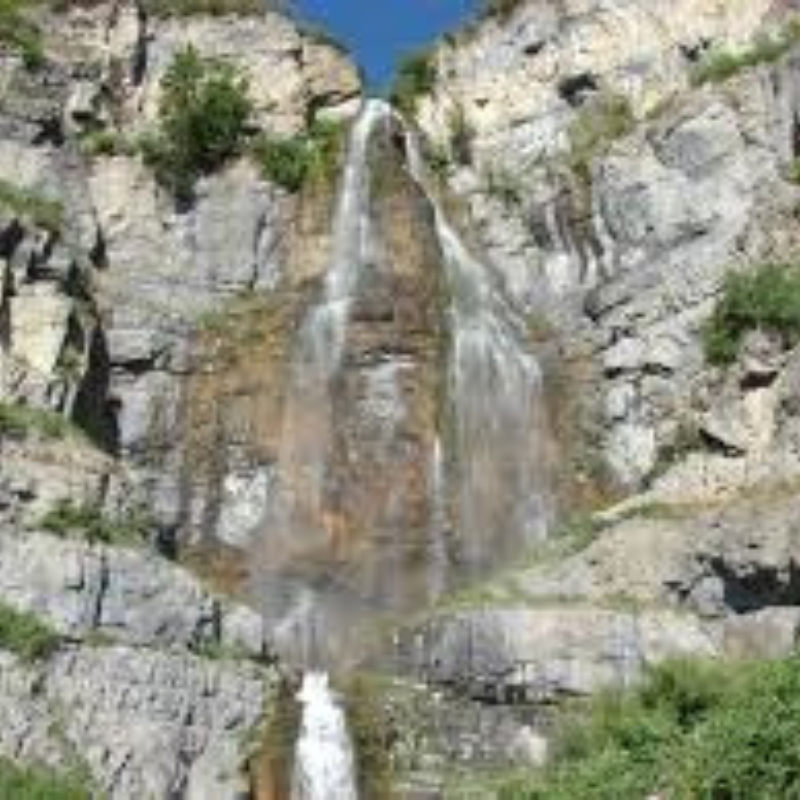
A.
pixel 516 654
pixel 621 224
pixel 147 724
pixel 105 282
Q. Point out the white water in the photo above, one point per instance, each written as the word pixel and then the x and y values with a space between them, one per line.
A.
pixel 495 391
pixel 293 527
pixel 324 762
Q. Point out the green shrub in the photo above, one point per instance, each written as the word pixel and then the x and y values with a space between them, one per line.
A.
pixel 500 9
pixel 19 420
pixel 416 76
pixel 20 33
pixel 693 730
pixel 597 126
pixel 501 185
pixel 721 65
pixel 106 143
pixel 766 298
pixel 39 782
pixel 40 211
pixel 89 522
pixel 203 117
pixel 292 162
pixel 24 634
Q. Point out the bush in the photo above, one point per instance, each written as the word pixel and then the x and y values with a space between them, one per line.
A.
pixel 693 730
pixel 721 65
pixel 18 32
pixel 106 143
pixel 292 162
pixel 38 210
pixel 598 125
pixel 20 420
pixel 766 298
pixel 90 523
pixel 39 782
pixel 203 117
pixel 416 76
pixel 499 9
pixel 24 634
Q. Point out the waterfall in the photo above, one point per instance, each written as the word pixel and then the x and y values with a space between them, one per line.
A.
pixel 295 528
pixel 496 441
pixel 324 763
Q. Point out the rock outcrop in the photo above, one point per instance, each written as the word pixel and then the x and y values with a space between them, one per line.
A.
pixel 613 188
pixel 159 686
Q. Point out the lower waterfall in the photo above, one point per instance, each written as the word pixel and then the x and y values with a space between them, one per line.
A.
pixel 324 767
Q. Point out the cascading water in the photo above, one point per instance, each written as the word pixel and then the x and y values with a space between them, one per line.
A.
pixel 495 393
pixel 324 762
pixel 483 471
pixel 294 527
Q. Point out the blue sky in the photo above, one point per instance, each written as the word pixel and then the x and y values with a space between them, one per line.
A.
pixel 379 31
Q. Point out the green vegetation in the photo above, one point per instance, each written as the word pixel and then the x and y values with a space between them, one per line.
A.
pixel 721 65
pixel 106 142
pixel 416 76
pixel 597 126
pixel 764 298
pixel 19 420
pixel 462 135
pixel 793 172
pixel 40 211
pixel 295 161
pixel 686 439
pixel 504 187
pixel 212 8
pixel 203 117
pixel 499 9
pixel 89 522
pixel 24 634
pixel 20 33
pixel 693 730
pixel 372 738
pixel 40 782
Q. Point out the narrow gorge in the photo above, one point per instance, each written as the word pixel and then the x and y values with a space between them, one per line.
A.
pixel 444 445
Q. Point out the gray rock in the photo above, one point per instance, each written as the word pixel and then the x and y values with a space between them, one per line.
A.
pixel 147 724
pixel 130 595
pixel 512 654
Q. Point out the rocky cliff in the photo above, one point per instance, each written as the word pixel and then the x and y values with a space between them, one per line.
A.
pixel 618 162
pixel 608 166
pixel 150 682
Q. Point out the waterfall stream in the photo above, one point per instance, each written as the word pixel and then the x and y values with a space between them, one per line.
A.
pixel 324 766
pixel 498 473
pixel 482 464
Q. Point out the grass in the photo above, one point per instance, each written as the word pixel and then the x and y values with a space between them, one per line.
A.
pixel 212 8
pixel 501 185
pixel 416 76
pixel 24 634
pixel 39 782
pixel 722 65
pixel 296 161
pixel 88 521
pixel 106 142
pixel 766 297
pixel 19 421
pixel 597 126
pixel 20 33
pixel 694 729
pixel 40 211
